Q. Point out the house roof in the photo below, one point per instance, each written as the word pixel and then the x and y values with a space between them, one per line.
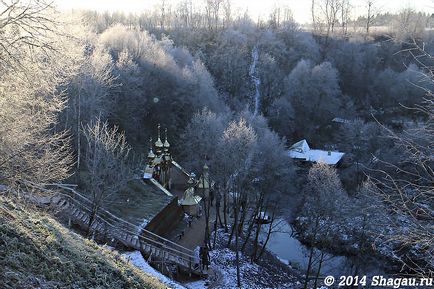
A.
pixel 301 150
pixel 300 147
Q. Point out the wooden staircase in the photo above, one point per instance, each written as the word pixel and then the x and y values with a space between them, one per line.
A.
pixel 153 246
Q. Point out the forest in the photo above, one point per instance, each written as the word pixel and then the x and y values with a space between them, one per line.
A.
pixel 82 93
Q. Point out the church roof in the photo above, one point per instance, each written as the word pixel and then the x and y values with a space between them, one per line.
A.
pixel 179 167
pixel 139 200
pixel 189 198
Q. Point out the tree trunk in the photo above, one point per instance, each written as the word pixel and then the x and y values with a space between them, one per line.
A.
pixel 237 253
pixel 309 265
pixel 78 132
pixel 242 218
pixel 313 15
pixel 91 220
pixel 252 222
pixel 255 243
pixel 249 232
pixel 318 272
pixel 207 204
pixel 215 232
pixel 233 228
pixel 270 230
pixel 225 202
pixel 368 20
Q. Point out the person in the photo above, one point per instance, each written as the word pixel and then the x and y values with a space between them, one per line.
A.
pixel 204 254
pixel 211 193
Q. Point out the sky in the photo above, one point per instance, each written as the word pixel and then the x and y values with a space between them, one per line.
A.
pixel 256 8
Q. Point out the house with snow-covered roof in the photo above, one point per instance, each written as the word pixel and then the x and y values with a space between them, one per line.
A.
pixel 301 151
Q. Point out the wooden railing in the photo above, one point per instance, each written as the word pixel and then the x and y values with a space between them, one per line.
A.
pixel 127 233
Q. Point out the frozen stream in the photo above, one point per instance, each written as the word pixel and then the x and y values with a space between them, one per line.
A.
pixel 288 248
pixel 255 78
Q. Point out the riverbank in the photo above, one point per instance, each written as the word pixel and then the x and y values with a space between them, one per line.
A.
pixel 374 257
pixel 268 272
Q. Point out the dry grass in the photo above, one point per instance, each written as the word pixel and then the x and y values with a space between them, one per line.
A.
pixel 38 252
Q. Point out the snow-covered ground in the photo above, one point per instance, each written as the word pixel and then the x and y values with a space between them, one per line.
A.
pixel 136 259
pixel 223 272
pixel 270 273
pixel 196 284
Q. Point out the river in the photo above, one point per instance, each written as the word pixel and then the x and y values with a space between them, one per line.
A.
pixel 290 250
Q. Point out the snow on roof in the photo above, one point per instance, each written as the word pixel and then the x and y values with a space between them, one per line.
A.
pixel 158 185
pixel 147 175
pixel 301 150
pixel 300 147
pixel 341 120
pixel 178 166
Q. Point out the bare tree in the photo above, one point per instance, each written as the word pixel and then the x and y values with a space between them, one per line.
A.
pixel 212 9
pixel 370 15
pixel 345 16
pixel 312 10
pixel 227 12
pixel 407 186
pixel 26 25
pixel 163 13
pixel 407 190
pixel 325 15
pixel 106 164
pixel 324 208
pixel 89 91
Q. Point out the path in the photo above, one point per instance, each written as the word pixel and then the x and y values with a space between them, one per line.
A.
pixel 195 235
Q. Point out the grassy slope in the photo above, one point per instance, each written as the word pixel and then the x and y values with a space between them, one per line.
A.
pixel 38 252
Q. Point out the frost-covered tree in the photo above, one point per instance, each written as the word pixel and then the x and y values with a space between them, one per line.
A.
pixel 106 163
pixel 157 83
pixel 406 187
pixel 32 73
pixel 30 149
pixel 315 96
pixel 88 93
pixel 229 63
pixel 25 25
pixel 200 139
pixel 324 209
pixel 282 117
pixel 357 63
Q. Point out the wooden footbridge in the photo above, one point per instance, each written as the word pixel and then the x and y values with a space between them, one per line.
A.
pixel 108 226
